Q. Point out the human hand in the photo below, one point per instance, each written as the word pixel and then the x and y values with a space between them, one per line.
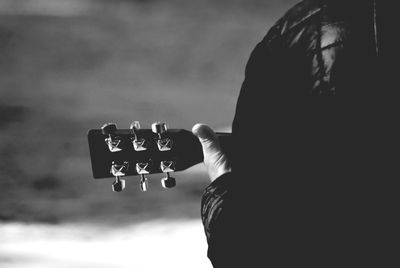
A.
pixel 215 160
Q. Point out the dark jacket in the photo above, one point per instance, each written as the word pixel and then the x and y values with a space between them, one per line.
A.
pixel 311 138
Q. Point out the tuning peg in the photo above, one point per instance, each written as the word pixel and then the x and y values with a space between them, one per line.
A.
pixel 118 185
pixel 159 128
pixel 109 128
pixel 135 125
pixel 138 143
pixel 163 143
pixel 119 170
pixel 144 185
pixel 112 141
pixel 166 167
pixel 142 169
pixel 168 181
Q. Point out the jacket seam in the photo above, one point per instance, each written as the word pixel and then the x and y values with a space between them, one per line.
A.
pixel 321 69
pixel 286 31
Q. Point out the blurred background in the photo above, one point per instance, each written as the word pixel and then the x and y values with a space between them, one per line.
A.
pixel 67 66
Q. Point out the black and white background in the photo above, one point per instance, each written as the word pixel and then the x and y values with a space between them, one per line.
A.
pixel 67 66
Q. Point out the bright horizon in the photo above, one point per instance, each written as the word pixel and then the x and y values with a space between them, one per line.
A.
pixel 175 244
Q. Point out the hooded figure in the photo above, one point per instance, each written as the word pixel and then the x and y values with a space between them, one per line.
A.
pixel 311 167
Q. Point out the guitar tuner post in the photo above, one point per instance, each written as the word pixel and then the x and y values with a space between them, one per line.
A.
pixel 112 140
pixel 144 184
pixel 139 144
pixel 167 167
pixel 142 169
pixel 119 169
pixel 163 143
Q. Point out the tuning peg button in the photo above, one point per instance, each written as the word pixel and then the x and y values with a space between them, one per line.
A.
pixel 112 141
pixel 159 128
pixel 119 170
pixel 118 185
pixel 168 182
pixel 135 125
pixel 139 144
pixel 109 128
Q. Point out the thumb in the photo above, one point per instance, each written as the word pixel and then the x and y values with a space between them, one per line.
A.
pixel 215 160
pixel 207 138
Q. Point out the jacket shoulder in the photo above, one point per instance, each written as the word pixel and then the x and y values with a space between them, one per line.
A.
pixel 299 14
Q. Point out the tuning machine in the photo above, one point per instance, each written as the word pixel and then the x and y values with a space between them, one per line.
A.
pixel 119 170
pixel 138 143
pixel 143 169
pixel 167 167
pixel 112 140
pixel 163 143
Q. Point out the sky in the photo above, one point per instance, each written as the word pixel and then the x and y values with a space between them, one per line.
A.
pixel 67 66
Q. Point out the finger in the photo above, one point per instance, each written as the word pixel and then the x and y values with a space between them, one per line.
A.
pixel 214 159
pixel 207 136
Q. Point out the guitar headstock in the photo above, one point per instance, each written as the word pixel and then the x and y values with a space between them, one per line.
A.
pixel 135 151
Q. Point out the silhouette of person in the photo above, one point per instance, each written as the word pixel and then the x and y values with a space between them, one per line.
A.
pixel 311 137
